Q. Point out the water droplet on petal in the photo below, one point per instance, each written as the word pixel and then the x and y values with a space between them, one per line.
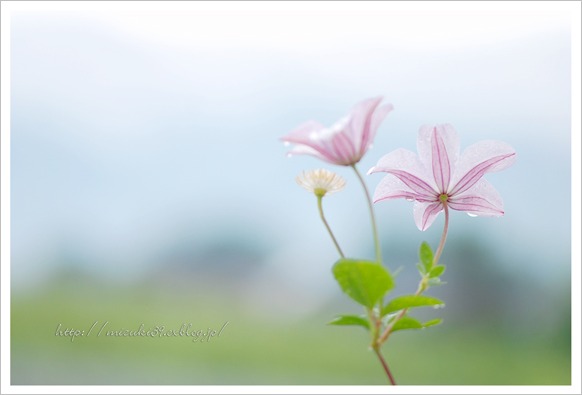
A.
pixel 472 215
pixel 410 199
pixel 286 144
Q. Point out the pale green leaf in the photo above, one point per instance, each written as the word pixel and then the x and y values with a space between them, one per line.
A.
pixel 410 301
pixel 350 320
pixel 365 282
pixel 436 321
pixel 437 271
pixel 406 323
pixel 426 256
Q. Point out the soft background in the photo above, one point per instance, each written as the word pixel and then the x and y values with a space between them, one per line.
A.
pixel 149 186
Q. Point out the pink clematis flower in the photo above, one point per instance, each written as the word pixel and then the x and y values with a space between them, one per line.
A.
pixel 346 141
pixel 439 176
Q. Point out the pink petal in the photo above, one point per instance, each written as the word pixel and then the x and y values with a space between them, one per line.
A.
pixel 391 187
pixel 304 133
pixel 308 136
pixel 342 148
pixel 305 150
pixel 346 141
pixel 418 185
pixel 441 167
pixel 479 159
pixel 377 118
pixel 448 143
pixel 360 121
pixel 405 165
pixel 482 200
pixel 426 213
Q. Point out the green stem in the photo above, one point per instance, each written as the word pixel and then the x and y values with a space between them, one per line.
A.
pixel 443 237
pixel 422 286
pixel 388 330
pixel 372 216
pixel 320 207
pixel 384 365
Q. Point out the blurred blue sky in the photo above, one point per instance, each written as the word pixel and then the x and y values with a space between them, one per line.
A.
pixel 134 133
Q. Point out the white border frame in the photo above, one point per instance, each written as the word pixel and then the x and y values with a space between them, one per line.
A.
pixel 573 8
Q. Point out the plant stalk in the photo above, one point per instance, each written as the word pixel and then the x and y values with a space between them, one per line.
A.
pixel 384 365
pixel 372 216
pixel 422 287
pixel 320 207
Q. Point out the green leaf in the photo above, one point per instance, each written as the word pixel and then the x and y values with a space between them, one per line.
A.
pixel 406 323
pixel 350 320
pixel 436 321
pixel 426 256
pixel 410 301
pixel 421 268
pixel 437 271
pixel 365 282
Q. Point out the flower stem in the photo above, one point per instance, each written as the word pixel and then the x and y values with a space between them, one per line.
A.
pixel 422 286
pixel 443 237
pixel 384 365
pixel 372 216
pixel 382 339
pixel 320 207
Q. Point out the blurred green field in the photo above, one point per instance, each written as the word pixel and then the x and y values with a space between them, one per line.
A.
pixel 253 348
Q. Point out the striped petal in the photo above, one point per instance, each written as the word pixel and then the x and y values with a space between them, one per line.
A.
pixel 346 141
pixel 361 118
pixel 390 187
pixel 441 167
pixel 369 133
pixel 425 213
pixel 405 165
pixel 438 148
pixel 342 148
pixel 479 159
pixel 308 143
pixel 481 200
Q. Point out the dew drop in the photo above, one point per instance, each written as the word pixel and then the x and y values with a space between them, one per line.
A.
pixel 410 199
pixel 286 143
pixel 472 215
